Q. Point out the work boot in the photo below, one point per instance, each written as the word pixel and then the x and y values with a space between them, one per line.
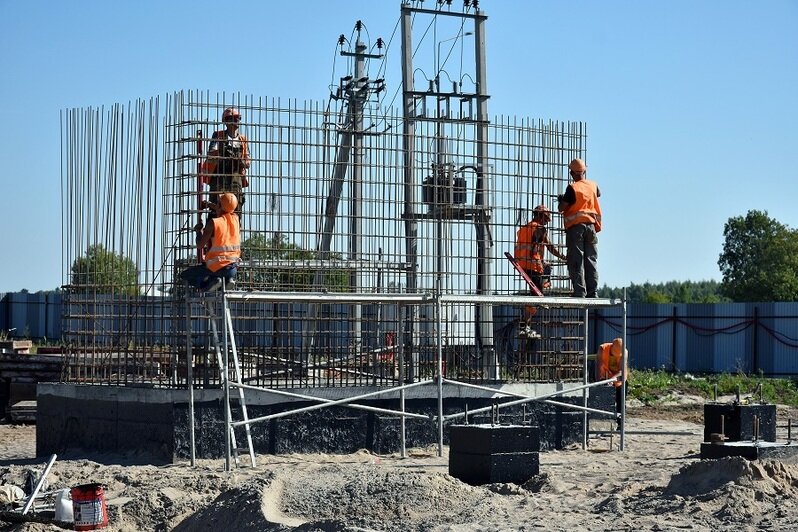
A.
pixel 215 285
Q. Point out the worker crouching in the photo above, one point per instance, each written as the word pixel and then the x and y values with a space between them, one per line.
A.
pixel 222 257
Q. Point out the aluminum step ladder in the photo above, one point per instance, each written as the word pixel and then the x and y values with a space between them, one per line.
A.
pixel 227 343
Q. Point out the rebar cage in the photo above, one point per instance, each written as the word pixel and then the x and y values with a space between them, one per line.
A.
pixel 132 193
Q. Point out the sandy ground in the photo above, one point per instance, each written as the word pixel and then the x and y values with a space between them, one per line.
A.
pixel 657 483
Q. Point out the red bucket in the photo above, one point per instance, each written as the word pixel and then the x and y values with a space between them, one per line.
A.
pixel 88 505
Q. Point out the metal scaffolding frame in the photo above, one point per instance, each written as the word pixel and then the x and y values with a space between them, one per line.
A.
pixel 438 380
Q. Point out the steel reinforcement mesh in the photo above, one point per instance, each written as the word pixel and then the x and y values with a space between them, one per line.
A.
pixel 310 223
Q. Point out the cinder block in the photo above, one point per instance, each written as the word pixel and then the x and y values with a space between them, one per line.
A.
pixel 493 439
pixel 738 421
pixel 477 469
pixel 482 454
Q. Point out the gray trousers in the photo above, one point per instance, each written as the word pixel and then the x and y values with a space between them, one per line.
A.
pixel 582 244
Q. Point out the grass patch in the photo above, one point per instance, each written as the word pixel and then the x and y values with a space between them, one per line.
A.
pixel 651 386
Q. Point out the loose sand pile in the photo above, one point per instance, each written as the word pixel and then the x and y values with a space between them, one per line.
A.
pixel 658 483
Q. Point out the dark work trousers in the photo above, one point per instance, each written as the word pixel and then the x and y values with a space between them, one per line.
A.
pixel 582 244
pixel 201 277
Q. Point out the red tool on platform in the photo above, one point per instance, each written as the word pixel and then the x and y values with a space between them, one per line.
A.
pixel 532 286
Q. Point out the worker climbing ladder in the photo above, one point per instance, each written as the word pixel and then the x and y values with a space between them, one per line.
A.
pixel 555 354
pixel 222 347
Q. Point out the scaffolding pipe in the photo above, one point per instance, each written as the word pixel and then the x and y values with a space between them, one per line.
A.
pixel 531 398
pixel 332 403
pixel 190 378
pixel 585 380
pixel 401 356
pixel 439 326
pixel 624 361
pixel 377 410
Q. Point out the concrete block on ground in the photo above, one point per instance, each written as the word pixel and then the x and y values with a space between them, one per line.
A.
pixel 478 469
pixel 483 454
pixel 736 421
pixel 494 439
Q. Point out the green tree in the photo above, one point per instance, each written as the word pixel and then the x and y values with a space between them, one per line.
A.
pixel 105 272
pixel 263 247
pixel 656 297
pixel 670 292
pixel 759 261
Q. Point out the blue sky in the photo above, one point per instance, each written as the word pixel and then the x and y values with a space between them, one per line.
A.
pixel 690 105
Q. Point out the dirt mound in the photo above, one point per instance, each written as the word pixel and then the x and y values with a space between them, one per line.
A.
pixel 369 496
pixel 544 483
pixel 239 508
pixel 766 477
pixel 728 490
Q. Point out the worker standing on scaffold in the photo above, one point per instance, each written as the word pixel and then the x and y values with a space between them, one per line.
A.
pixel 582 217
pixel 531 240
pixel 225 168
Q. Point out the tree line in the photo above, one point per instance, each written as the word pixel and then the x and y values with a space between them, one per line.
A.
pixel 759 262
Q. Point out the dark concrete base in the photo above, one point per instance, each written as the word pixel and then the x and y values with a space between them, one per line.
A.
pixel 751 450
pixel 484 454
pixel 152 424
pixel 479 469
pixel 736 421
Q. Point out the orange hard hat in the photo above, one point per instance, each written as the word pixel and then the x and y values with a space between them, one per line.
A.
pixel 230 112
pixel 228 202
pixel 577 165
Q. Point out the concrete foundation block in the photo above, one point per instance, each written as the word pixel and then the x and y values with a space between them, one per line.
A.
pixel 483 454
pixel 760 450
pixel 736 421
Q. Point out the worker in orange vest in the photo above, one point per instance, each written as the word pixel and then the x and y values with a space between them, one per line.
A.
pixel 225 169
pixel 223 234
pixel 530 242
pixel 609 360
pixel 582 217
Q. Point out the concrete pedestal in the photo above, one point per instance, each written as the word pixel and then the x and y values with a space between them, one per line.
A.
pixel 484 454
pixel 736 421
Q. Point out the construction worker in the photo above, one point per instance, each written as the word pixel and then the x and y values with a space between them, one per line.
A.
pixel 582 217
pixel 608 365
pixel 530 242
pixel 223 234
pixel 225 169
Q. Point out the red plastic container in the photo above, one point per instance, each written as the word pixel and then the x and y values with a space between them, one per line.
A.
pixel 88 505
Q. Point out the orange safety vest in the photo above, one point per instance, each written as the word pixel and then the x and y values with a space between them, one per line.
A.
pixel 528 251
pixel 608 365
pixel 225 243
pixel 586 209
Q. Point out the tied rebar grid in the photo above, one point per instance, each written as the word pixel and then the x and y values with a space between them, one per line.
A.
pixel 131 198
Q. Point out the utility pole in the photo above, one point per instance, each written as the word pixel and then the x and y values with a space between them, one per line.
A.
pixel 355 91
pixel 445 196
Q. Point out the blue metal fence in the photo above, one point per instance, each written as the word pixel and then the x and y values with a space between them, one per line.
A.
pixel 728 337
pixel 31 315
pixel 699 338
